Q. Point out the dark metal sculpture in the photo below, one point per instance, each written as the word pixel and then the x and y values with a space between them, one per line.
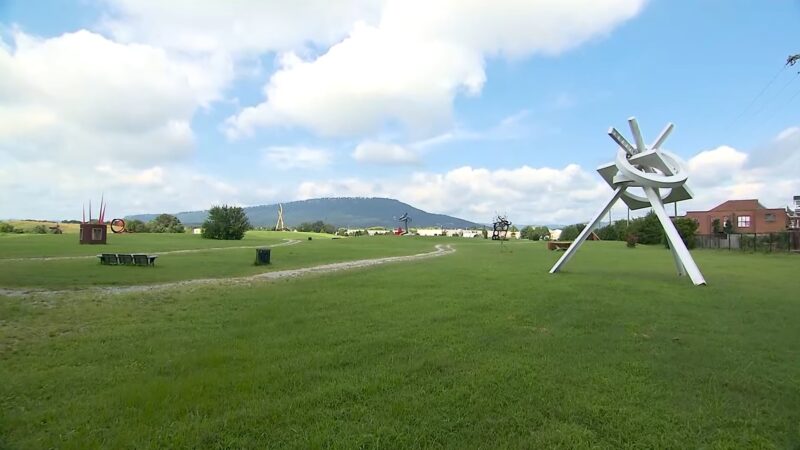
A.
pixel 500 228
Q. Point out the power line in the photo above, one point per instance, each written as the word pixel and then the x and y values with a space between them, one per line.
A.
pixel 760 93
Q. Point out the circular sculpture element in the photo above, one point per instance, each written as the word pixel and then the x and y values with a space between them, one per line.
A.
pixel 118 226
pixel 657 169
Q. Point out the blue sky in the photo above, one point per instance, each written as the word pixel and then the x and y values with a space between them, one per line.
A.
pixel 464 108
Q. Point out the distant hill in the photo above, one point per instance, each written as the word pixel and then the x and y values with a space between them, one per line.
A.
pixel 346 212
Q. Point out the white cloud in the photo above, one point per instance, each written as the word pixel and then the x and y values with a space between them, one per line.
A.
pixel 408 68
pixel 297 157
pixel 724 173
pixel 236 26
pixel 80 96
pixel 716 166
pixel 383 153
pixel 47 190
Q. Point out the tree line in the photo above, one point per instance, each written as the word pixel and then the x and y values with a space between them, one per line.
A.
pixel 643 230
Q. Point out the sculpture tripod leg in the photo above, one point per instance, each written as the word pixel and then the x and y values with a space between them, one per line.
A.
pixel 587 230
pixel 683 259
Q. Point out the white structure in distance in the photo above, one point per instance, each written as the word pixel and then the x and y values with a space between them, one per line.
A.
pixel 651 169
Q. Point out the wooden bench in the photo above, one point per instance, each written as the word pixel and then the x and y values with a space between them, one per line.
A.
pixel 127 259
pixel 558 245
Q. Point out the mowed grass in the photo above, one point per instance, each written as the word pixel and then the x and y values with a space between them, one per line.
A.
pixel 30 267
pixel 479 349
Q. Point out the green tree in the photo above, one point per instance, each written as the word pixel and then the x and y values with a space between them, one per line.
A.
pixel 226 223
pixel 136 226
pixel 317 227
pixel 6 227
pixel 165 223
pixel 728 227
pixel 526 233
pixel 570 232
pixel 716 227
pixel 686 229
pixel 617 231
pixel 647 229
pixel 540 233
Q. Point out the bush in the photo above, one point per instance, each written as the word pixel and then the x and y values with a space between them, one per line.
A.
pixel 631 240
pixel 6 227
pixel 226 223
pixel 136 226
pixel 570 232
pixel 317 227
pixel 686 229
pixel 166 223
pixel 39 229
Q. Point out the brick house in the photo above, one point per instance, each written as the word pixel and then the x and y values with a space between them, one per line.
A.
pixel 746 216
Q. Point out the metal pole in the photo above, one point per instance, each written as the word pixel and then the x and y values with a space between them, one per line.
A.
pixel 587 230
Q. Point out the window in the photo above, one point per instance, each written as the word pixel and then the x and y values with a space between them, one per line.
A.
pixel 769 217
pixel 97 234
pixel 743 222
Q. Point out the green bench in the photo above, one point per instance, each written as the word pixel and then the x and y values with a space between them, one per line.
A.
pixel 127 259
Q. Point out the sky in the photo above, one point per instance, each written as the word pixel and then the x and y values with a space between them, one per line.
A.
pixel 462 107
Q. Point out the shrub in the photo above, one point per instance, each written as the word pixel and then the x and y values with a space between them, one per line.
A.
pixel 136 226
pixel 166 223
pixel 39 229
pixel 686 229
pixel 631 240
pixel 570 232
pixel 6 227
pixel 225 222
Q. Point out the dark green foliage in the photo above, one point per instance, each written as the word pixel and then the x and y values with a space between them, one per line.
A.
pixel 39 229
pixel 686 228
pixel 647 229
pixel 570 232
pixel 136 226
pixel 317 227
pixel 225 222
pixel 6 227
pixel 165 223
pixel 534 233
pixel 716 227
pixel 485 233
pixel 728 228
pixel 617 231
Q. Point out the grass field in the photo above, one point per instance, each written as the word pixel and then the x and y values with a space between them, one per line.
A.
pixel 478 349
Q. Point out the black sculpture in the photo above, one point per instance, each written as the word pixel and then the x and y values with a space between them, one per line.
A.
pixel 500 228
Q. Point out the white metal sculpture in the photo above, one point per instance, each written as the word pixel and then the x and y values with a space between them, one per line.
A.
pixel 651 169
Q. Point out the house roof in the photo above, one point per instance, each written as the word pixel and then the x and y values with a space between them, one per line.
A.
pixel 739 205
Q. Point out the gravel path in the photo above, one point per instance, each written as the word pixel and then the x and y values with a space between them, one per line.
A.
pixel 440 250
pixel 170 252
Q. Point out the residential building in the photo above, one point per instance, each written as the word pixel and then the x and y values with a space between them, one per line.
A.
pixel 745 216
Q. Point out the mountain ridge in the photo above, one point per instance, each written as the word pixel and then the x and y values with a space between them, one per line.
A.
pixel 347 212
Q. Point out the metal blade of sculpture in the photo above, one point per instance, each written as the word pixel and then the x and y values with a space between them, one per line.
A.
pixel 651 169
pixel 405 219
pixel 500 228
pixel 280 226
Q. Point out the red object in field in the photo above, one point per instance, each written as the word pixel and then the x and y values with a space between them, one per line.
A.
pixel 399 231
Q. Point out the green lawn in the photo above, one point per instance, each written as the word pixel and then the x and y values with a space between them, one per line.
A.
pixel 478 349
pixel 207 262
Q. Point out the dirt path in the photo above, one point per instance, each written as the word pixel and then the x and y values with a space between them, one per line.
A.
pixel 169 252
pixel 440 250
